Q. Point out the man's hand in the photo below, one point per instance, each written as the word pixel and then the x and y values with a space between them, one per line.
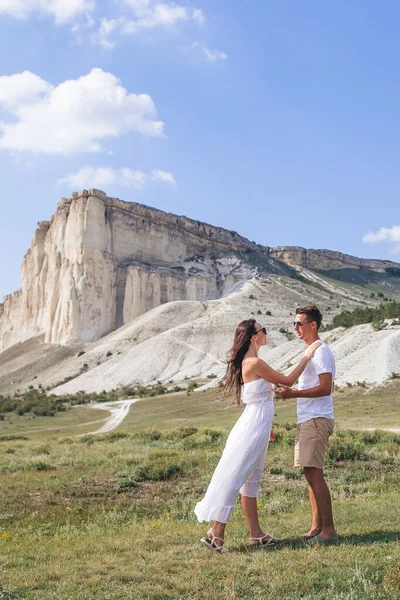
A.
pixel 284 391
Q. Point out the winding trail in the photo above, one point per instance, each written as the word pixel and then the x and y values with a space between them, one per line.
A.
pixel 118 409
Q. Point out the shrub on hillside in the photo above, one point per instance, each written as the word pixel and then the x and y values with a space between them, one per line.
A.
pixel 358 316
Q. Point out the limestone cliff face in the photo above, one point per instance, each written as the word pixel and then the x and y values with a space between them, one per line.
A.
pixel 325 260
pixel 100 262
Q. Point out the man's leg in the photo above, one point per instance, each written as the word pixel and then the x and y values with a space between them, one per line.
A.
pixel 321 504
pixel 316 521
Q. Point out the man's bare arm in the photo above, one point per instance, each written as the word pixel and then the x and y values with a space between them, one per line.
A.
pixel 323 389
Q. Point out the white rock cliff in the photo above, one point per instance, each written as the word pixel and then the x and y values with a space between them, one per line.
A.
pixel 101 262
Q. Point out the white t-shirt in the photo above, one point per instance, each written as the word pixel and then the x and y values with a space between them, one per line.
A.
pixel 322 361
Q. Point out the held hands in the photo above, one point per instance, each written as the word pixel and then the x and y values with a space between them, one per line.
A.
pixel 311 349
pixel 284 391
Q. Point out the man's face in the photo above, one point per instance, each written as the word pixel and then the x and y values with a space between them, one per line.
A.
pixel 303 327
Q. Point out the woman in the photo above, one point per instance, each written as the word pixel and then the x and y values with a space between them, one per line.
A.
pixel 240 467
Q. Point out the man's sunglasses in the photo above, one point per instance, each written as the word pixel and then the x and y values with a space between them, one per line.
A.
pixel 262 329
pixel 298 324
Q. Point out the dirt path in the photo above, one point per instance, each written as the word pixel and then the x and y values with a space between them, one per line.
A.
pixel 118 409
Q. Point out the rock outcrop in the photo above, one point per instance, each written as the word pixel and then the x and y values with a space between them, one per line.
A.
pixel 326 260
pixel 101 261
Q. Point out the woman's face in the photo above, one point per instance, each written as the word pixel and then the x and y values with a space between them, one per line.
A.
pixel 260 337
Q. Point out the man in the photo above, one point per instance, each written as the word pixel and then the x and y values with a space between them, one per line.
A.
pixel 315 422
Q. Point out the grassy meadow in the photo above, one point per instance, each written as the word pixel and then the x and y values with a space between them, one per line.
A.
pixel 111 517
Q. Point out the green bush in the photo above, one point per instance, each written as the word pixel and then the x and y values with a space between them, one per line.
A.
pixel 203 439
pixel 286 435
pixel 125 484
pixel 342 449
pixel 148 435
pixel 160 465
pixel 115 436
pixel 8 594
pixel 44 449
pixel 290 474
pixel 376 315
pixel 42 466
pixel 180 434
pixel 371 437
pixel 276 470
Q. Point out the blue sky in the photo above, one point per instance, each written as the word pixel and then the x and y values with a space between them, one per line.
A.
pixel 277 119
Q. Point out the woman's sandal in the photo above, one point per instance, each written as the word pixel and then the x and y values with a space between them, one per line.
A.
pixel 209 543
pixel 265 541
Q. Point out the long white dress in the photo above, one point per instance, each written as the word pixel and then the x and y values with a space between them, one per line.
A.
pixel 241 465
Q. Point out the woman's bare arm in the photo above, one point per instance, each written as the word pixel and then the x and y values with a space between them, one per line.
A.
pixel 263 369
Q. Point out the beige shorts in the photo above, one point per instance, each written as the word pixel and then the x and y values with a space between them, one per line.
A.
pixel 312 441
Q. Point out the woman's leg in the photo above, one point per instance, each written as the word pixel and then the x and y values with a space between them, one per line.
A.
pixel 249 506
pixel 218 529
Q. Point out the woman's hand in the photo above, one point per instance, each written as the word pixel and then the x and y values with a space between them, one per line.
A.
pixel 272 437
pixel 311 349
pixel 284 392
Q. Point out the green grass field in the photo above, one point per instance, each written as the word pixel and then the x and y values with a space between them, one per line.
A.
pixel 111 517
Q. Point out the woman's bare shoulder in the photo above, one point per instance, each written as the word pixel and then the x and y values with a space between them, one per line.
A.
pixel 250 360
pixel 250 364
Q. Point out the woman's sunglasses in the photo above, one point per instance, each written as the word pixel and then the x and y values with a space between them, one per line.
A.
pixel 262 329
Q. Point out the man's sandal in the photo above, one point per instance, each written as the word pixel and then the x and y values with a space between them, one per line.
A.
pixel 265 541
pixel 210 543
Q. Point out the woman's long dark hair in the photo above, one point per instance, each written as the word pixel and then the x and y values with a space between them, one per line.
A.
pixel 232 380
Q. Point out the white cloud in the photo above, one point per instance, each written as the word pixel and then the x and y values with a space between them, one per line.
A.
pixel 88 177
pixel 63 11
pixel 147 14
pixel 163 176
pixel 79 30
pixel 16 90
pixel 384 234
pixel 211 56
pixel 74 116
pixel 198 16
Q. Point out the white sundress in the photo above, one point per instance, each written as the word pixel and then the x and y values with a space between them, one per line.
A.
pixel 241 465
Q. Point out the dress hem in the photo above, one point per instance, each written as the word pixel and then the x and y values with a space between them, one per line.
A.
pixel 206 513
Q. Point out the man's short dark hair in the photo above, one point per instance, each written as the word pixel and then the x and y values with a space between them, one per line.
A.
pixel 312 312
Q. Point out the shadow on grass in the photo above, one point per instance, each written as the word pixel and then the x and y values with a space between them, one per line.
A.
pixel 383 537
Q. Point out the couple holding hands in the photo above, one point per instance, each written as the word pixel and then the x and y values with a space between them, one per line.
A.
pixel 240 468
